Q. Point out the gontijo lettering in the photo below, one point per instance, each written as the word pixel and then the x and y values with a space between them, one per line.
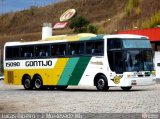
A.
pixel 38 63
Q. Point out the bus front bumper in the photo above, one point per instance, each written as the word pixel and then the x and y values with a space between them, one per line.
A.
pixel 140 81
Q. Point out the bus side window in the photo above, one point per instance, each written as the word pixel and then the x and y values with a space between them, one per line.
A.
pixel 15 52
pixel 54 50
pixel 76 48
pixel 12 52
pixel 28 54
pixel 72 47
pixel 94 47
pixel 58 50
pixel 62 49
pixel 90 47
pixel 99 47
pixel 27 51
pixel 42 50
pixel 8 52
pixel 80 48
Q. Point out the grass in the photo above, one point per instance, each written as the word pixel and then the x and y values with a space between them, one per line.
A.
pixel 153 21
pixel 131 5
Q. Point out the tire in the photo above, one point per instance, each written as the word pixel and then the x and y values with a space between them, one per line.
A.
pixel 126 88
pixel 101 83
pixel 27 84
pixel 61 87
pixel 38 84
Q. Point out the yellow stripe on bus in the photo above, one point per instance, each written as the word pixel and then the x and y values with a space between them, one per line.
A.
pixel 56 73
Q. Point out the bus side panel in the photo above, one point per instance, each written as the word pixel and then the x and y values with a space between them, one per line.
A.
pixel 56 73
pixel 78 70
pixel 95 66
pixel 67 73
pixel 15 76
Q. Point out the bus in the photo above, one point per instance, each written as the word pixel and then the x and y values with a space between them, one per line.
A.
pixel 103 61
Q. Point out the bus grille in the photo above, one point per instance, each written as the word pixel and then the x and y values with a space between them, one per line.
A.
pixel 10 76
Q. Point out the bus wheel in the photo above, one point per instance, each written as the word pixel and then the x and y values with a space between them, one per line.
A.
pixel 126 88
pixel 27 83
pixel 38 83
pixel 61 87
pixel 101 83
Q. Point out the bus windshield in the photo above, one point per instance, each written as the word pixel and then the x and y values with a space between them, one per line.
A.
pixel 139 60
pixel 136 43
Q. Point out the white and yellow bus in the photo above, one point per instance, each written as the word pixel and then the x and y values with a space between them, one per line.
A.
pixel 85 59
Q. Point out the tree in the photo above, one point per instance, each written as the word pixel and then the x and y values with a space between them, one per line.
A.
pixel 79 24
pixel 92 29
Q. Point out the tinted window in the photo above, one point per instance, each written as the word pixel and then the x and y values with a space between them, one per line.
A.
pixel 76 48
pixel 27 51
pixel 136 43
pixel 98 47
pixel 95 47
pixel 114 44
pixel 42 50
pixel 12 52
pixel 15 52
pixel 8 52
pixel 58 50
pixel 89 47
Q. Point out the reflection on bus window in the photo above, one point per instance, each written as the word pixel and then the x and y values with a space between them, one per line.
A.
pixel 114 43
pixel 76 48
pixel 27 51
pixel 58 50
pixel 90 47
pixel 94 47
pixel 139 60
pixel 119 63
pixel 42 50
pixel 12 52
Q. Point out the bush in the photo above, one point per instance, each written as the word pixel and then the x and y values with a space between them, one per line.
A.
pixel 138 11
pixel 101 30
pixel 132 4
pixel 92 29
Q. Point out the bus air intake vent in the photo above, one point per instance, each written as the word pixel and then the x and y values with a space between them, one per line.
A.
pixel 10 76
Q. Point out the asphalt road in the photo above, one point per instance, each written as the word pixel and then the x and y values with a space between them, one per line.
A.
pixel 14 99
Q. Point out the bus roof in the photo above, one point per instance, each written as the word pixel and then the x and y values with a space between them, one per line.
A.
pixel 61 38
pixel 75 37
pixel 125 36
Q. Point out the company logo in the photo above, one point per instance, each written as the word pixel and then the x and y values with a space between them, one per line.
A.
pixel 67 15
pixel 117 79
pixel 60 25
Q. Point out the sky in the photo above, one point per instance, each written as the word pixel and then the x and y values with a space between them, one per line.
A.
pixel 17 5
